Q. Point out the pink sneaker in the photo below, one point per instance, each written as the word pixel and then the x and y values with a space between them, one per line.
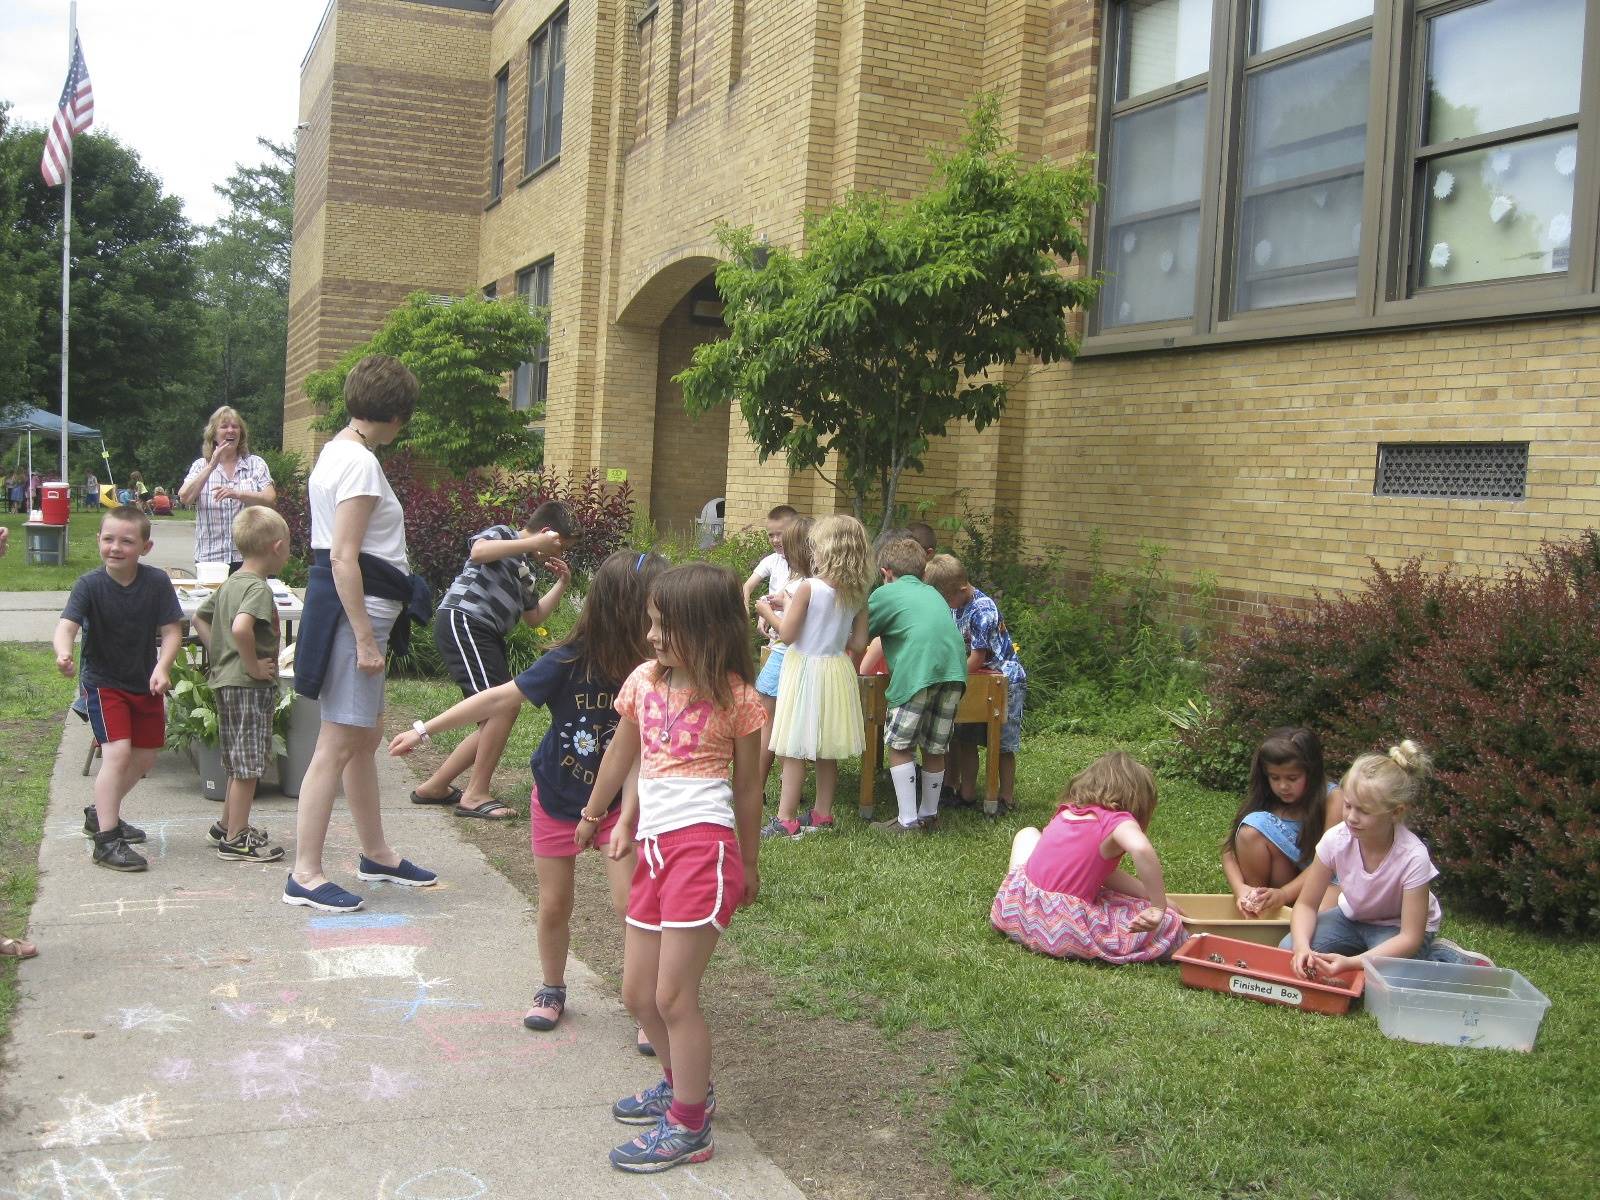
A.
pixel 548 1005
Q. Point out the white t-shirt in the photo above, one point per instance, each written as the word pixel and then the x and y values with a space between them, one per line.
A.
pixel 1374 896
pixel 775 567
pixel 344 470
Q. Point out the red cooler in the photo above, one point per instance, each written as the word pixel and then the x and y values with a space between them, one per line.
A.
pixel 56 504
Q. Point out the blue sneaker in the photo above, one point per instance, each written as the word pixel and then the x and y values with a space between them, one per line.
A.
pixel 664 1147
pixel 405 872
pixel 648 1107
pixel 329 897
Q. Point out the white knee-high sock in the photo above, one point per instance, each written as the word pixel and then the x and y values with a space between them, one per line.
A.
pixel 905 791
pixel 932 781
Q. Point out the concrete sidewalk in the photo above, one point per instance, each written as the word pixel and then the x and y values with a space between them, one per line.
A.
pixel 183 1035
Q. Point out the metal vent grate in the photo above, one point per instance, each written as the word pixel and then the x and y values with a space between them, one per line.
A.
pixel 1453 470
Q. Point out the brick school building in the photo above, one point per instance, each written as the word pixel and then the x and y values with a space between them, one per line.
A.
pixel 1350 247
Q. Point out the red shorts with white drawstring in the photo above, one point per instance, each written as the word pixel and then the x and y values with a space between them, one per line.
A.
pixel 687 878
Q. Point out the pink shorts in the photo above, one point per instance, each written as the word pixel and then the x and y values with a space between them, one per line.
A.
pixel 687 878
pixel 551 837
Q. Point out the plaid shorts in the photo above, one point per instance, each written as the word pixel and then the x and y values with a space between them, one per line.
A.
pixel 927 719
pixel 244 722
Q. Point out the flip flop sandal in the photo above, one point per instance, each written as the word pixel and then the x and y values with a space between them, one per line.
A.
pixel 642 1043
pixel 17 948
pixel 492 810
pixel 452 797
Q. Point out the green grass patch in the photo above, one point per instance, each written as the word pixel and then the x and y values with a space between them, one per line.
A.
pixel 18 575
pixel 1092 1081
pixel 32 697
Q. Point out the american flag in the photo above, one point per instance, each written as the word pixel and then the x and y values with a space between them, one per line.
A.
pixel 74 115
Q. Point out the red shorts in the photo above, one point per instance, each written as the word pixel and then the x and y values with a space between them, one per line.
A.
pixel 116 716
pixel 687 878
pixel 551 836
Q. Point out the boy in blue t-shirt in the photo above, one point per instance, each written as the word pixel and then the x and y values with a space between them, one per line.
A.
pixel 989 649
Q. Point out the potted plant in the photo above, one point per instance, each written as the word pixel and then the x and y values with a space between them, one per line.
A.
pixel 192 721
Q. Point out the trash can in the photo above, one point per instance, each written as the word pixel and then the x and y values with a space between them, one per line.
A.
pixel 305 722
pixel 56 503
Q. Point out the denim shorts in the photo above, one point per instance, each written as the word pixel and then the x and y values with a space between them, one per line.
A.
pixel 1283 833
pixel 1338 934
pixel 767 681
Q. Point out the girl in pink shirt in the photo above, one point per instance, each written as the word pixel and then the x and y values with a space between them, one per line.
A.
pixel 1063 894
pixel 1386 907
pixel 683 718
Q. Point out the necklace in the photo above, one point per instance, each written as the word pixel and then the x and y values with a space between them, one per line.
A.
pixel 360 435
pixel 666 703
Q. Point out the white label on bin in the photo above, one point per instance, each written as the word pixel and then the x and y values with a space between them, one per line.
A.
pixel 1260 989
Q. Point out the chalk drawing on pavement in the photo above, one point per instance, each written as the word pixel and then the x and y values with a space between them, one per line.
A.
pixel 88 1122
pixel 141 1175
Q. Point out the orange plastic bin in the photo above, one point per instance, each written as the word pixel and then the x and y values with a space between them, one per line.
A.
pixel 1263 973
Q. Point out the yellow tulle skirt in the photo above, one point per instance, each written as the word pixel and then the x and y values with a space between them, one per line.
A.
pixel 818 714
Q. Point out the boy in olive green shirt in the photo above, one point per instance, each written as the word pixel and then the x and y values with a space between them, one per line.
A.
pixel 239 624
pixel 928 675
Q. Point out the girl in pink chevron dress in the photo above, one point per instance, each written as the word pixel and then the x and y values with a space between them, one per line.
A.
pixel 1063 894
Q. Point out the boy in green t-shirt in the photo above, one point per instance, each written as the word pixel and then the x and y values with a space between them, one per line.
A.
pixel 928 675
pixel 239 625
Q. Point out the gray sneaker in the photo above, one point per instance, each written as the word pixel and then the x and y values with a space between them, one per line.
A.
pixel 663 1147
pixel 649 1106
pixel 775 828
pixel 246 848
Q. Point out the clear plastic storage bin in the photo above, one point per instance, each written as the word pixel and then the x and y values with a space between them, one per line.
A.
pixel 1450 1004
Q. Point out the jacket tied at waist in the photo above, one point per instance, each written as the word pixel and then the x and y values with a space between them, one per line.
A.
pixel 324 610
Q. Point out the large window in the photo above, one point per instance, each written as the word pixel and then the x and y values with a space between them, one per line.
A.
pixel 547 85
pixel 497 165
pixel 1273 167
pixel 530 387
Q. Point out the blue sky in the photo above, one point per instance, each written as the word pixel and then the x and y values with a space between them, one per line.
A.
pixel 189 85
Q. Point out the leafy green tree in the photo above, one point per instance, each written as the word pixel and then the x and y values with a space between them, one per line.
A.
pixel 460 349
pixel 135 316
pixel 886 329
pixel 244 281
pixel 19 310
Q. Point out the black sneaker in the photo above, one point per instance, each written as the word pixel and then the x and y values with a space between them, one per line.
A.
pixel 91 826
pixel 248 848
pixel 111 851
pixel 218 833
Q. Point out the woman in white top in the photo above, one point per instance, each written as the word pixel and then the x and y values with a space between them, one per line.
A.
pixel 224 479
pixel 353 513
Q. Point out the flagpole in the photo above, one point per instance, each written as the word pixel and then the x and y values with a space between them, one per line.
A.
pixel 66 253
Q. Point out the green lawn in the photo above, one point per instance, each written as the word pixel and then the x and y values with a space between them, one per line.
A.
pixel 17 575
pixel 33 696
pixel 1090 1081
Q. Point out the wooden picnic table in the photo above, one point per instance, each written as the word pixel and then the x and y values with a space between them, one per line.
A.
pixel 984 703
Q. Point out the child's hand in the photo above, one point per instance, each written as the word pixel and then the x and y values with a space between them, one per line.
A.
pixel 1267 899
pixel 160 683
pixel 621 843
pixel 752 886
pixel 1324 965
pixel 557 567
pixel 1147 920
pixel 65 665
pixel 1304 962
pixel 403 744
pixel 583 835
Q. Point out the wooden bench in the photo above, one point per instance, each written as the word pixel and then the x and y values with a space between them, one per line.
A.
pixel 983 704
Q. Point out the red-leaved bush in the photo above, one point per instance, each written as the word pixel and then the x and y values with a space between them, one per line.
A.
pixel 1500 680
pixel 442 512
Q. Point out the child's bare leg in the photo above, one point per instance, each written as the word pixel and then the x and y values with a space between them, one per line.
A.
pixel 1022 846
pixel 1255 855
pixel 794 784
pixel 490 742
pixel 683 958
pixel 236 807
pixel 437 786
pixel 555 916
pixel 1008 777
pixel 827 784
pixel 121 766
pixel 619 877
pixel 964 756
pixel 770 703
pixel 641 956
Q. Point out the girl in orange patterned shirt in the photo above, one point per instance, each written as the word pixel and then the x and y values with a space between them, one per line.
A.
pixel 683 717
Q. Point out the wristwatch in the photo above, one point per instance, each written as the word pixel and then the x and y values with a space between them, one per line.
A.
pixel 421 730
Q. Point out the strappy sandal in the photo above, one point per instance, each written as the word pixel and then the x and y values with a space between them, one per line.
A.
pixel 452 797
pixel 17 948
pixel 489 810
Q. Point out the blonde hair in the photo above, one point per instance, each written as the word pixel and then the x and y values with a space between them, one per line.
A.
pixel 944 573
pixel 1389 783
pixel 1116 781
pixel 839 558
pixel 256 528
pixel 208 441
pixel 796 547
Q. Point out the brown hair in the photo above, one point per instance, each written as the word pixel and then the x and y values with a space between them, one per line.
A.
pixel 706 627
pixel 256 528
pixel 922 533
pixel 783 512
pixel 129 512
pixel 381 388
pixel 608 641
pixel 902 556
pixel 944 573
pixel 1117 781
pixel 1284 747
pixel 208 440
pixel 553 514
pixel 797 547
